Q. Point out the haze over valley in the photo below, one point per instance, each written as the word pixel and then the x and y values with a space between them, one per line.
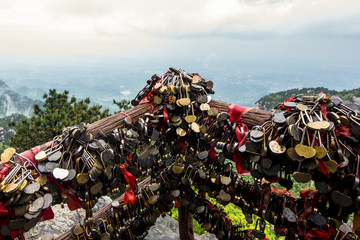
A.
pixel 242 83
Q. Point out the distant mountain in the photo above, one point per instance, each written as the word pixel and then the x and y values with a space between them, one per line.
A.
pixel 6 131
pixel 271 100
pixel 12 102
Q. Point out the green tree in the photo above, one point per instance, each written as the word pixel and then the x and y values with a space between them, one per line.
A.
pixel 122 104
pixel 58 111
pixel 2 147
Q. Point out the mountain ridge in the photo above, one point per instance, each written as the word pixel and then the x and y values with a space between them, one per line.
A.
pixel 269 101
pixel 12 102
pixel 14 106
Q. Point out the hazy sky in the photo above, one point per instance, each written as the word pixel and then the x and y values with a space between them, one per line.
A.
pixel 221 30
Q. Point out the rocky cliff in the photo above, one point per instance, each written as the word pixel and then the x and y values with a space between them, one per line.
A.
pixel 12 102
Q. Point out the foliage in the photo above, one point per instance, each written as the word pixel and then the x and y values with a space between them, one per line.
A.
pixel 7 131
pixel 238 218
pixel 16 117
pixel 196 225
pixel 57 112
pixel 3 147
pixel 271 100
pixel 122 104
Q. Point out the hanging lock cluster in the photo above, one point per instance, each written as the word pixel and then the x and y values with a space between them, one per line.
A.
pixel 183 144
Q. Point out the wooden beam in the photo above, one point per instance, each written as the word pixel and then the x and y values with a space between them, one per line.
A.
pixel 186 229
pixel 105 211
pixel 252 118
pixel 356 222
pixel 107 125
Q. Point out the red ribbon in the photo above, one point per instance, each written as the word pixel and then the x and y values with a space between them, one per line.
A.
pixel 288 100
pixel 210 205
pixel 212 154
pixel 75 203
pixel 128 158
pixel 237 156
pixel 279 230
pixel 4 213
pixel 308 193
pixel 4 172
pixel 126 115
pixel 29 154
pixel 46 214
pixel 17 233
pixel 3 210
pixel 317 234
pixel 150 95
pixel 165 118
pixel 129 178
pixel 308 205
pixel 280 192
pixel 239 160
pixel 323 109
pixel 177 203
pixel 343 131
pixel 323 168
pixel 35 150
pixel 129 196
pixel 182 142
pixel 236 115
pixel 228 222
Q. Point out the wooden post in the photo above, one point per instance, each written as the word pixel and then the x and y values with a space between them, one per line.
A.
pixel 186 230
pixel 356 222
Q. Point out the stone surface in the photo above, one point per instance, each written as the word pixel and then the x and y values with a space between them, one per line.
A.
pixel 165 228
pixel 63 221
pixel 356 100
